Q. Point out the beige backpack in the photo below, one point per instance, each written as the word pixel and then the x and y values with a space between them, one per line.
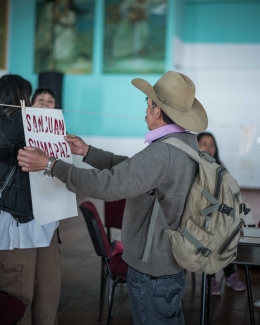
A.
pixel 211 224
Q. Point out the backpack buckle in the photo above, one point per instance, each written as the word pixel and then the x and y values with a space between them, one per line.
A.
pixel 225 209
pixel 205 251
pixel 244 208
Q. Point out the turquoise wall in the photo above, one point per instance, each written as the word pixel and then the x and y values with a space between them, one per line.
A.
pixel 222 22
pixel 96 92
pixel 194 22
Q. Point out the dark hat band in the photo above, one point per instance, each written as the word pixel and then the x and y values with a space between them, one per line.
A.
pixel 160 97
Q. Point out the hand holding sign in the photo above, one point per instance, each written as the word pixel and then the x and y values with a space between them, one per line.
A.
pixel 32 159
pixel 77 145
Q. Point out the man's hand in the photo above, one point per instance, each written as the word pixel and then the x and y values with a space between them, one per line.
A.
pixel 77 145
pixel 32 159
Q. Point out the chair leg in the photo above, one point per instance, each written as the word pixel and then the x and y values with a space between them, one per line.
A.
pixel 103 294
pixel 249 295
pixel 203 299
pixel 208 298
pixel 101 287
pixel 102 277
pixel 110 288
pixel 112 298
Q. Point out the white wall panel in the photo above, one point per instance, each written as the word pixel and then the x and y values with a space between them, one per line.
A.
pixel 227 79
pixel 222 55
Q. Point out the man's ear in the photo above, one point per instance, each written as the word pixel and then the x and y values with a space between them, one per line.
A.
pixel 159 114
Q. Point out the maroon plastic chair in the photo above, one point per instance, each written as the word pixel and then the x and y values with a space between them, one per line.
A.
pixel 114 215
pixel 116 268
pixel 11 309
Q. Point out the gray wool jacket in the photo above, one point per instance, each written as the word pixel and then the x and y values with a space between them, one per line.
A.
pixel 159 166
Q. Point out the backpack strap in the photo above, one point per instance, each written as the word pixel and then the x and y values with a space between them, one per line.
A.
pixel 208 157
pixel 215 203
pixel 149 239
pixel 217 206
pixel 154 215
pixel 188 150
pixel 197 244
pixel 184 148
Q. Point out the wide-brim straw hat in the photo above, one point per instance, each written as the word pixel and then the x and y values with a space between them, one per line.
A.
pixel 174 93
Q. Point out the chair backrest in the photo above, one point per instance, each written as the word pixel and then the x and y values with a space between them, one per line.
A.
pixel 11 309
pixel 95 228
pixel 114 212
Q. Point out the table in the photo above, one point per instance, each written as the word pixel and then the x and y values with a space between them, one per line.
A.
pixel 248 254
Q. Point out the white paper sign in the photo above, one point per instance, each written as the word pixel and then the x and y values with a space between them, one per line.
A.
pixel 51 200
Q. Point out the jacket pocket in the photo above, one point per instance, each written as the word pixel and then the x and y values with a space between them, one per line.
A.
pixel 135 282
pixel 11 279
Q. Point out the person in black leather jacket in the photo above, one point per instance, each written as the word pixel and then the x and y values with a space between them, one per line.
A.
pixel 29 254
pixel 15 194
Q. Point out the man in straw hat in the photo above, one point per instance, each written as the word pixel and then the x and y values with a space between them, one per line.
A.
pixel 155 281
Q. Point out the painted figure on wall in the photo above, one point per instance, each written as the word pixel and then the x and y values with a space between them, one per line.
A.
pixel 64 33
pixel 132 33
pixel 135 36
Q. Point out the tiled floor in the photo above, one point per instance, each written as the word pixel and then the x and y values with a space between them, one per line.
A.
pixel 79 302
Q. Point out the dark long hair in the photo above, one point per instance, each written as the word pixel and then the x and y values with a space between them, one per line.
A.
pixel 14 88
pixel 216 156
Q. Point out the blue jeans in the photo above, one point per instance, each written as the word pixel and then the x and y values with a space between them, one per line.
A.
pixel 156 301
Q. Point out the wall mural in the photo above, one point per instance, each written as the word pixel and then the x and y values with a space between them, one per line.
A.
pixel 64 36
pixel 3 33
pixel 134 36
